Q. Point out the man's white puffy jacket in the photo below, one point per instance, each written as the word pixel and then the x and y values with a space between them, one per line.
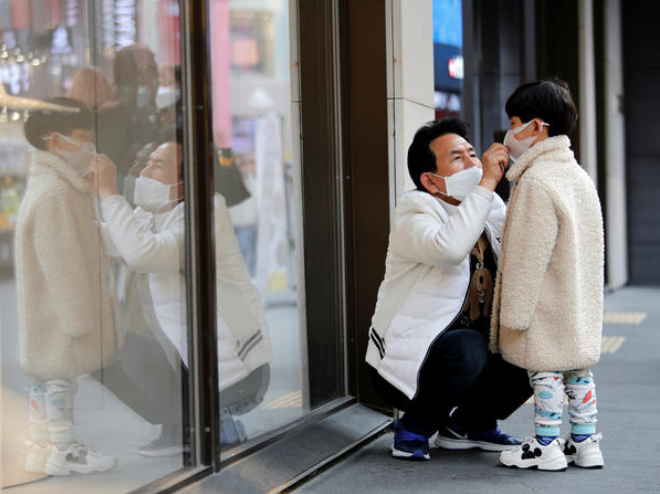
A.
pixel 155 244
pixel 427 275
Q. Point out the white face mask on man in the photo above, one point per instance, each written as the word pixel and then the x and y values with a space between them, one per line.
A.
pixel 517 148
pixel 460 184
pixel 78 160
pixel 152 195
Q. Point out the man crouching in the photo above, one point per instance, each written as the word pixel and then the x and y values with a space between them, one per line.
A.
pixel 428 344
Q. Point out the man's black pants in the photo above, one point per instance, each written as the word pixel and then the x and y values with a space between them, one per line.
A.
pixel 460 372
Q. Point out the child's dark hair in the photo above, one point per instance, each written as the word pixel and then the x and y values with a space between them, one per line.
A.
pixel 40 124
pixel 421 158
pixel 550 101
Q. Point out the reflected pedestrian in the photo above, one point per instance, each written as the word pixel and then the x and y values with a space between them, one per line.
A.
pixel 130 119
pixel 91 87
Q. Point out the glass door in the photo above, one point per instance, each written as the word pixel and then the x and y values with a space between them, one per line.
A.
pixel 271 266
pixel 94 318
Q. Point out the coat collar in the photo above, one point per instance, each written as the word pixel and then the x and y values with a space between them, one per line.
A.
pixel 558 147
pixel 449 208
pixel 48 163
pixel 417 197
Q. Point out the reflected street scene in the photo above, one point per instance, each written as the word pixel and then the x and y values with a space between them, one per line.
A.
pixel 96 377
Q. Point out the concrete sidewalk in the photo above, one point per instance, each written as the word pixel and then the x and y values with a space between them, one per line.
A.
pixel 628 385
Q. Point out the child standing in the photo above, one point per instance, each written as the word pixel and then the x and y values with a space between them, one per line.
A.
pixel 66 312
pixel 547 311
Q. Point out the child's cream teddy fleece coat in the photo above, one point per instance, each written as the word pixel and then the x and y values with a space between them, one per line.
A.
pixel 66 311
pixel 547 310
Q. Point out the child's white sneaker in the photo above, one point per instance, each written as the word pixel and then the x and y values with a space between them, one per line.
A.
pixel 585 454
pixel 79 458
pixel 37 455
pixel 532 454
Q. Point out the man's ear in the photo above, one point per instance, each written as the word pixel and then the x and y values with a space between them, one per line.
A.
pixel 429 184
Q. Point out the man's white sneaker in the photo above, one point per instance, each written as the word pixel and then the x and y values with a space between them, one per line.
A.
pixel 79 458
pixel 37 455
pixel 532 454
pixel 585 454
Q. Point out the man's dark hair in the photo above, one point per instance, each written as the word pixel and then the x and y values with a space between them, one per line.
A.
pixel 550 101
pixel 421 158
pixel 43 123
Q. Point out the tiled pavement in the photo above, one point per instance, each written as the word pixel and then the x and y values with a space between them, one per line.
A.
pixel 628 387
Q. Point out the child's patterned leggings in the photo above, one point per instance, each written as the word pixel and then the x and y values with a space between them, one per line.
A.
pixel 50 412
pixel 549 388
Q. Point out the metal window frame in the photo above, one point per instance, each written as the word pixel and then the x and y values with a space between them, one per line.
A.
pixel 322 193
pixel 203 399
pixel 366 179
pixel 200 259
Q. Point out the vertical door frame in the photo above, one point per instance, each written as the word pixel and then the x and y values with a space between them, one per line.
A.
pixel 366 179
pixel 322 202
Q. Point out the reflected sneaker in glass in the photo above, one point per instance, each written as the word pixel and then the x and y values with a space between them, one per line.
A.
pixel 585 454
pixel 78 458
pixel 409 445
pixel 533 454
pixel 232 433
pixel 452 437
pixel 37 455
pixel 163 445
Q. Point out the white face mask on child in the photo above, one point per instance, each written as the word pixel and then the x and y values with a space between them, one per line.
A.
pixel 78 160
pixel 517 148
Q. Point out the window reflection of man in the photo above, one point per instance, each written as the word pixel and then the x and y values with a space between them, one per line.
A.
pixel 151 240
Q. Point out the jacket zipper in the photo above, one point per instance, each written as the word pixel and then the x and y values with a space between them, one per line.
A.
pixel 436 339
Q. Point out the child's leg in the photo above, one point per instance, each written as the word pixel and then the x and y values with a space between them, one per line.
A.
pixel 59 410
pixel 37 426
pixel 581 391
pixel 548 404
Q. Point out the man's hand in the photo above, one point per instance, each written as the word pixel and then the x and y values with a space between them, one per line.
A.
pixel 494 162
pixel 104 175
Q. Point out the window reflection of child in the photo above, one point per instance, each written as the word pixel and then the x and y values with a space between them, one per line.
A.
pixel 65 309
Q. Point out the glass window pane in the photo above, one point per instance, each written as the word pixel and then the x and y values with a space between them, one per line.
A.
pixel 262 339
pixel 92 245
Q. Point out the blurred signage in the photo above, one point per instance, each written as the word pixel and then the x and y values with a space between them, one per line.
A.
pixel 61 44
pixel 250 37
pixel 245 52
pixel 16 76
pixel 450 102
pixel 448 67
pixel 455 67
pixel 125 25
pixel 119 23
pixel 71 12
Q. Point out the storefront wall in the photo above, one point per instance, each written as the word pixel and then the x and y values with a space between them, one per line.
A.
pixel 225 331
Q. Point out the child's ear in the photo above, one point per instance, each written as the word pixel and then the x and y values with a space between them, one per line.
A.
pixel 538 127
